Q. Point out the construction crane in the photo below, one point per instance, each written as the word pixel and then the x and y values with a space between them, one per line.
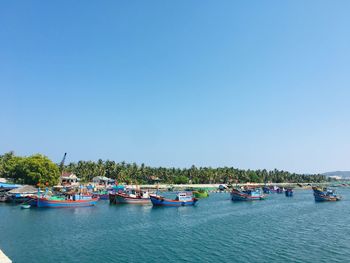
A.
pixel 61 167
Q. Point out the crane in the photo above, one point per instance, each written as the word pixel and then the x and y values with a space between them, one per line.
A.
pixel 61 167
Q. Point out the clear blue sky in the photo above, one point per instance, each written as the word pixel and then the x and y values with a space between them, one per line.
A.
pixel 249 84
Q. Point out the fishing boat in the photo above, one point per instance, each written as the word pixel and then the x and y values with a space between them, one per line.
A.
pixel 266 190
pixel 3 197
pixel 101 195
pixel 60 202
pixel 112 193
pixel 111 197
pixel 247 195
pixel 182 199
pixel 289 192
pixel 201 193
pixel 279 190
pixel 325 194
pixel 132 197
pixel 275 189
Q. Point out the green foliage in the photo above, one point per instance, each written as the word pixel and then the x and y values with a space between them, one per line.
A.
pixel 38 168
pixel 29 170
pixel 142 174
pixel 180 179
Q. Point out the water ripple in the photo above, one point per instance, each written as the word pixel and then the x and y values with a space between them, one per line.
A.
pixel 278 229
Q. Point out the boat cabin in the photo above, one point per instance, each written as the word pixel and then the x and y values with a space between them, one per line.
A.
pixel 137 193
pixel 184 196
pixel 329 192
pixel 253 192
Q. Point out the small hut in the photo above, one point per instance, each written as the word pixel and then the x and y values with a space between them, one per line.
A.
pixel 26 189
pixel 69 179
pixel 102 180
pixel 21 194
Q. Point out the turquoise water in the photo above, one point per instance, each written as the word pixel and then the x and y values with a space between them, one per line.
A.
pixel 278 229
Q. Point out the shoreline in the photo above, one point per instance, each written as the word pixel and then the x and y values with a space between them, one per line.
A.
pixel 216 186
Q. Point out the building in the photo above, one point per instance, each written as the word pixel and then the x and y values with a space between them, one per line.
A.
pixel 335 177
pixel 102 180
pixel 69 179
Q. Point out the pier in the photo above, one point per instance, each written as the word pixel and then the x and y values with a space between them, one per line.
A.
pixel 4 258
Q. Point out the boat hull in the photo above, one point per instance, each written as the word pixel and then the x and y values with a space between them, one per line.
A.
pixel 103 196
pixel 111 198
pixel 43 202
pixel 124 199
pixel 289 193
pixel 325 198
pixel 266 190
pixel 161 201
pixel 240 196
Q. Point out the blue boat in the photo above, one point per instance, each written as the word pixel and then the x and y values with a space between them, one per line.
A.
pixel 275 189
pixel 325 194
pixel 59 202
pixel 7 186
pixel 182 199
pixel 289 192
pixel 247 195
pixel 266 190
pixel 280 190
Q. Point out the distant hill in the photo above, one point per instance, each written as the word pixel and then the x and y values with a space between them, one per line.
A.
pixel 342 174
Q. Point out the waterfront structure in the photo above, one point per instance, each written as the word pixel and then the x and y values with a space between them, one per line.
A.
pixel 69 179
pixel 102 180
pixel 21 194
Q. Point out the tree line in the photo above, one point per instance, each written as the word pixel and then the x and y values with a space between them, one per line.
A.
pixel 142 174
pixel 39 168
pixel 33 170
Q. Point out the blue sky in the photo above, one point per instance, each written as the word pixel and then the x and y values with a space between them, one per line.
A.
pixel 249 84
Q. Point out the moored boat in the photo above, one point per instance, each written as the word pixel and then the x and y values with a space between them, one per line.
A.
pixel 61 202
pixel 247 195
pixel 266 190
pixel 325 194
pixel 182 199
pixel 279 190
pixel 102 195
pixel 201 193
pixel 275 189
pixel 111 197
pixel 289 192
pixel 141 198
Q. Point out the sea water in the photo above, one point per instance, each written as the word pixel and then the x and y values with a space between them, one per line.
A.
pixel 278 229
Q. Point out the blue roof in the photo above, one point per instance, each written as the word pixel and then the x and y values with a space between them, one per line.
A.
pixel 9 186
